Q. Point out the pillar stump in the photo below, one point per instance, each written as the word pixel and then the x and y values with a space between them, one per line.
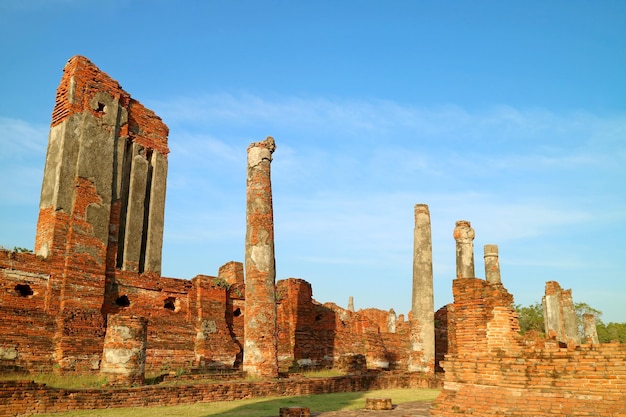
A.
pixel 378 404
pixel 294 412
pixel 124 353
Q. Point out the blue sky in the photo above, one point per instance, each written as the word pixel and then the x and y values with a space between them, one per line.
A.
pixel 511 115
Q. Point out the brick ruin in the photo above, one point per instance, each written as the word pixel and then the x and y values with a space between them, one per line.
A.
pixel 92 290
pixel 491 370
pixel 91 297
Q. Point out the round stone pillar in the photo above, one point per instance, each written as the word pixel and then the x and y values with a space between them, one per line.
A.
pixel 124 353
pixel 422 337
pixel 464 236
pixel 492 264
pixel 260 353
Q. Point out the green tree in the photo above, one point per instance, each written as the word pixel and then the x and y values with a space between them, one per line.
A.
pixel 582 309
pixel 530 317
pixel 611 332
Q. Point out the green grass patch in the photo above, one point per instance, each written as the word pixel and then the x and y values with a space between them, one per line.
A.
pixel 263 407
pixel 59 381
pixel 323 373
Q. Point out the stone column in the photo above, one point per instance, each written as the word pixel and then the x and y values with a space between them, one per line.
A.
pixel 391 321
pixel 492 264
pixel 422 349
pixel 351 304
pixel 464 236
pixel 260 357
pixel 590 329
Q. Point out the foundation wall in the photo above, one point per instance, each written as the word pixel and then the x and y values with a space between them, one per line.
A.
pixel 26 398
pixel 492 371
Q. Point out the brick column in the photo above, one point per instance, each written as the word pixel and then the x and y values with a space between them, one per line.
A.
pixel 422 350
pixel 464 236
pixel 492 264
pixel 260 357
pixel 124 353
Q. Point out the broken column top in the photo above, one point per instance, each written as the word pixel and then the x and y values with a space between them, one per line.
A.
pixel 422 208
pixel 463 231
pixel 268 144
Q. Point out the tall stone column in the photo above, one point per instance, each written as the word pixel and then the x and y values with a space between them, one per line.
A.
pixel 422 349
pixel 492 264
pixel 464 236
pixel 260 356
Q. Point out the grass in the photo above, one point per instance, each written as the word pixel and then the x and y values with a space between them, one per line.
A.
pixel 59 381
pixel 322 373
pixel 98 381
pixel 262 407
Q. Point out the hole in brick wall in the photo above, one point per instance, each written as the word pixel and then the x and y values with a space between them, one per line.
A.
pixel 101 107
pixel 171 303
pixel 237 312
pixel 318 317
pixel 23 290
pixel 122 301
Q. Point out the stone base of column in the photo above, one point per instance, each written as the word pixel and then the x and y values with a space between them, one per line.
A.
pixel 294 412
pixel 378 404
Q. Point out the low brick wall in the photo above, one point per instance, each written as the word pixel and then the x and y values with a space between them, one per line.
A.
pixel 588 380
pixel 493 372
pixel 25 398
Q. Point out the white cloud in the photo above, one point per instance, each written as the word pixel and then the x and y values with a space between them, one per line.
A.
pixel 21 140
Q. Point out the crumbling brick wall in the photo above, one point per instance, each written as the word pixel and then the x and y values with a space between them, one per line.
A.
pixel 494 372
pixel 312 335
pixel 24 317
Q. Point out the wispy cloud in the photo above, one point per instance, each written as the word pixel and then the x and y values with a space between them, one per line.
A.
pixel 20 139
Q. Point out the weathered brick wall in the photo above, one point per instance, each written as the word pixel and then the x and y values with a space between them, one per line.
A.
pixel 27 398
pixel 494 372
pixel 314 335
pixel 26 328
pixel 194 323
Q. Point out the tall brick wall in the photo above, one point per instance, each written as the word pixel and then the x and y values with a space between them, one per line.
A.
pixel 492 371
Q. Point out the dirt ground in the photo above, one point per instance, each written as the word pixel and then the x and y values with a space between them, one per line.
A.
pixel 414 409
